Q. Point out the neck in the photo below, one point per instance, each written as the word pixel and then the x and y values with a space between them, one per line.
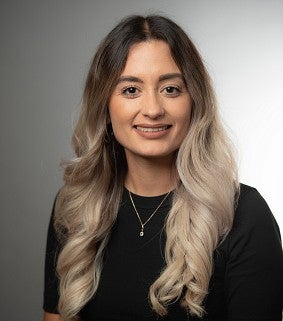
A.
pixel 151 177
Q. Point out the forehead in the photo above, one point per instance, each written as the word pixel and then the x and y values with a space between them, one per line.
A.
pixel 153 56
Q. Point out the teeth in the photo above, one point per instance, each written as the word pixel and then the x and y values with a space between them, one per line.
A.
pixel 148 129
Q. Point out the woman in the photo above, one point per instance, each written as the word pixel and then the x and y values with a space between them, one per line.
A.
pixel 151 222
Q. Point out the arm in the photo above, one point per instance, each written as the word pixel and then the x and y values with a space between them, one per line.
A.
pixel 51 317
pixel 254 274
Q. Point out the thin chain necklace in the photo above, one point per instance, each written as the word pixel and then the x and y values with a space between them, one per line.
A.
pixel 150 217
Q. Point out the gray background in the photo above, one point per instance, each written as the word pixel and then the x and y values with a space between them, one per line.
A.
pixel 46 47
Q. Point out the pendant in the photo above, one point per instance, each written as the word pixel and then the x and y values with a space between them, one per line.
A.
pixel 141 233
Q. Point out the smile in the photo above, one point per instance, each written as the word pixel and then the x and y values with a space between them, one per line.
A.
pixel 151 129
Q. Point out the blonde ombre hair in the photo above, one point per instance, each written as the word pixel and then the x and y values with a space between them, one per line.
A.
pixel 203 203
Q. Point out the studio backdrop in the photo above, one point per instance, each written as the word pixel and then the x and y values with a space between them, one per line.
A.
pixel 46 48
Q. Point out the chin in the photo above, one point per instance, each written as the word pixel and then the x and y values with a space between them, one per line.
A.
pixel 160 155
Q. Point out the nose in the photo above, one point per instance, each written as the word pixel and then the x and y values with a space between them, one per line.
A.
pixel 152 106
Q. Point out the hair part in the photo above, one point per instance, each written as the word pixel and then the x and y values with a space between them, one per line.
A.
pixel 88 203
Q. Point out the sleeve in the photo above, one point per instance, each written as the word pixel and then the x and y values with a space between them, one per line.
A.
pixel 51 282
pixel 254 271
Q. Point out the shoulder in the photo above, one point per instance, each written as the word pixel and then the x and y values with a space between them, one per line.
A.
pixel 250 261
pixel 252 211
pixel 253 260
pixel 254 225
pixel 250 200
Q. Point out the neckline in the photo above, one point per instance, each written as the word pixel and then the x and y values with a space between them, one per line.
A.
pixel 147 201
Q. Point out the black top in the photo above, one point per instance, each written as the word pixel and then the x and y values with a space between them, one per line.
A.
pixel 248 266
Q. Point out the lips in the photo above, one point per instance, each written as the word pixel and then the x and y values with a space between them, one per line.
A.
pixel 152 131
pixel 150 128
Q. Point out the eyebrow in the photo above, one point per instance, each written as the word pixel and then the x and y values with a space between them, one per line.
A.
pixel 171 76
pixel 129 79
pixel 161 78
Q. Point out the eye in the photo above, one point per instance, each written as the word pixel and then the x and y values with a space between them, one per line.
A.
pixel 130 91
pixel 172 91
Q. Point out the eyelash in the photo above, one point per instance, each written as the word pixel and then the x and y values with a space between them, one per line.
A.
pixel 127 94
pixel 177 91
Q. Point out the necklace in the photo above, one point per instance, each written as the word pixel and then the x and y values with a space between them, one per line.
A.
pixel 150 217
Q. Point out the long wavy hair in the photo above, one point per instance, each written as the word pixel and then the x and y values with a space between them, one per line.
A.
pixel 203 203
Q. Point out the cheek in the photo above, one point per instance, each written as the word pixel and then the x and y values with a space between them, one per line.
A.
pixel 120 109
pixel 118 124
pixel 114 108
pixel 184 129
pixel 184 119
pixel 115 114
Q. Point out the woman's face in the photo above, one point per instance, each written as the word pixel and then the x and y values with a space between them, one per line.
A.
pixel 150 106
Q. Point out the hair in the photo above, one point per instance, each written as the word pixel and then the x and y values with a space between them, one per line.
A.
pixel 203 203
